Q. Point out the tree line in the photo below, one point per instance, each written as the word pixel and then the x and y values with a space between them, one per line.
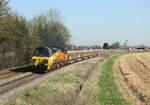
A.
pixel 114 45
pixel 19 37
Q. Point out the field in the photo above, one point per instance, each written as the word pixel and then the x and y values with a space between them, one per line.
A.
pixel 120 80
pixel 72 85
pixel 132 75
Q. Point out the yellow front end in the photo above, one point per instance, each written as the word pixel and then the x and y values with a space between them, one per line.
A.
pixel 42 62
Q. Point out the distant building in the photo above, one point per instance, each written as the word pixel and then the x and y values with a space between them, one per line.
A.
pixel 140 49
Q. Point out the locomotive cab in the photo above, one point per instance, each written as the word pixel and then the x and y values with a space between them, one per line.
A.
pixel 42 58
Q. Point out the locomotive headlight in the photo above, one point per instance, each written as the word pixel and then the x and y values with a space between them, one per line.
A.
pixel 34 60
pixel 45 61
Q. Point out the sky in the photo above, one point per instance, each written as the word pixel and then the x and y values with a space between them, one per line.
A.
pixel 93 22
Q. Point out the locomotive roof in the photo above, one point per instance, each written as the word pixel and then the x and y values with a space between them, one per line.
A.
pixel 41 48
pixel 53 48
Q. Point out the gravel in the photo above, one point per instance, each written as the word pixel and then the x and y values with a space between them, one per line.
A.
pixel 4 81
pixel 12 93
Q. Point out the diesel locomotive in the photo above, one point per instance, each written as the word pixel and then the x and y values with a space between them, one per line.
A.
pixel 49 58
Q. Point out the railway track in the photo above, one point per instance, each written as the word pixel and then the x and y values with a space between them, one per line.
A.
pixel 11 80
pixel 7 75
pixel 7 86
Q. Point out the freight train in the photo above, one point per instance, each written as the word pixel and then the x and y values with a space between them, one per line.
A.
pixel 49 58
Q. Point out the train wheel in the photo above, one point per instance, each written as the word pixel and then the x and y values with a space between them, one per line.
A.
pixel 52 67
pixel 57 66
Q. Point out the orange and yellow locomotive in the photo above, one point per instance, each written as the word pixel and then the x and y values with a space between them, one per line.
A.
pixel 49 58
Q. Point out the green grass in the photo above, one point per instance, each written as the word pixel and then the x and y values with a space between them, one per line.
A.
pixel 45 93
pixel 66 77
pixel 35 94
pixel 109 94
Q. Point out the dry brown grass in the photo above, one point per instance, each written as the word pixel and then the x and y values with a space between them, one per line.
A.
pixel 68 87
pixel 144 60
pixel 132 77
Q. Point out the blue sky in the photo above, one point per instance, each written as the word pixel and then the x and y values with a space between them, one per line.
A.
pixel 93 22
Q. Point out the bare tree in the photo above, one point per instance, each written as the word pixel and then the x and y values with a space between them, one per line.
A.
pixel 54 15
pixel 4 8
pixel 51 29
pixel 115 45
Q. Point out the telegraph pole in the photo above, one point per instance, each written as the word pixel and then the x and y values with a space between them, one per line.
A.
pixel 126 43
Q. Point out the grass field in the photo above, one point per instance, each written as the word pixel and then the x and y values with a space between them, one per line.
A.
pixel 122 80
pixel 132 75
pixel 109 94
pixel 64 88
